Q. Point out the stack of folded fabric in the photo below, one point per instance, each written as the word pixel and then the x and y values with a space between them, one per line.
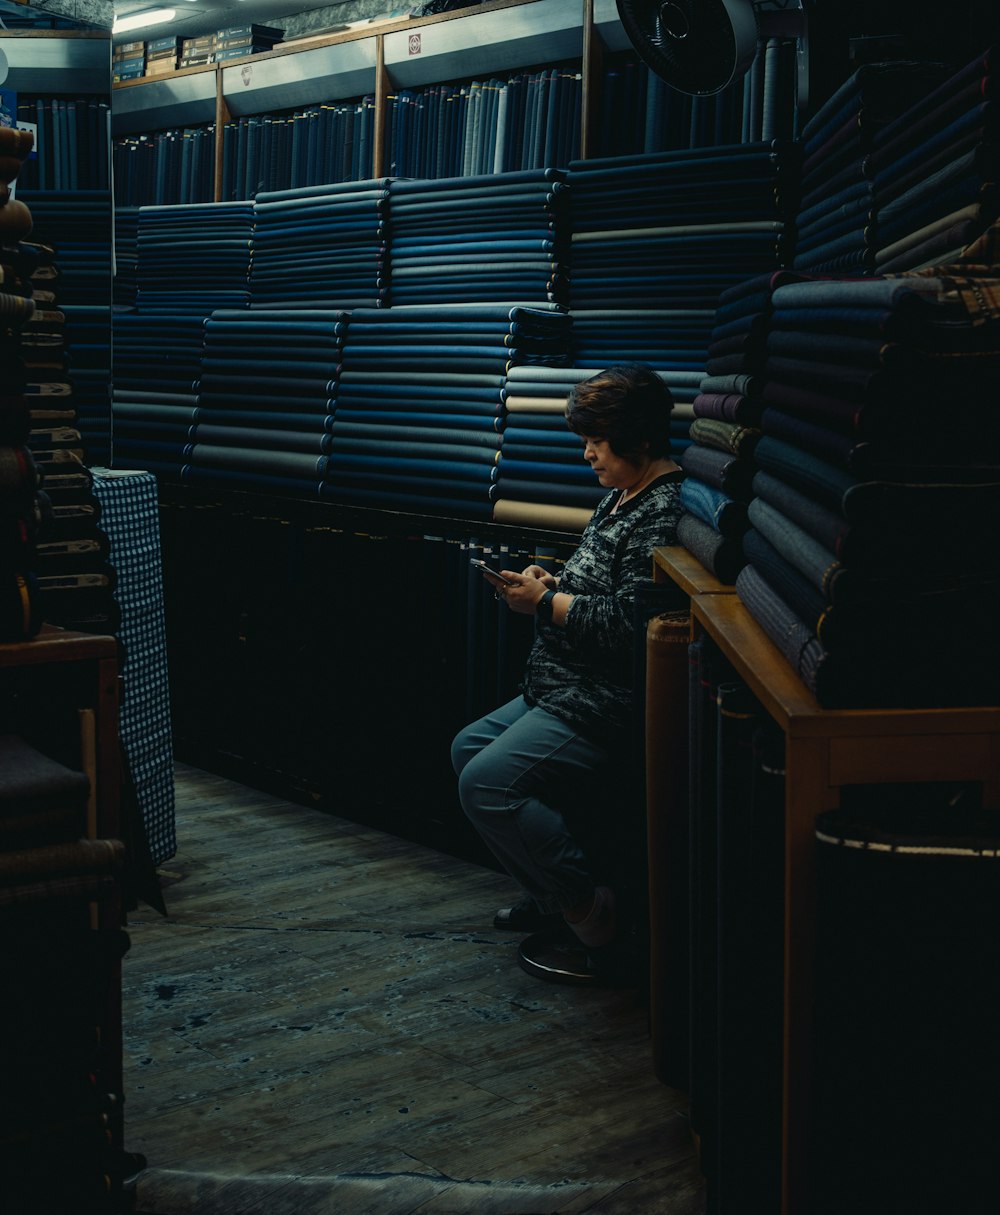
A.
pixel 75 580
pixel 420 402
pixel 88 346
pixel 58 569
pixel 935 171
pixel 674 341
pixel 20 504
pixel 157 365
pixel 478 239
pixel 543 479
pixel 267 398
pixel 193 259
pixel 80 224
pixel 126 233
pixel 671 340
pixel 875 507
pixel 675 229
pixel 322 245
pixel 837 223
pixel 75 310
pixel 727 409
pixel 190 261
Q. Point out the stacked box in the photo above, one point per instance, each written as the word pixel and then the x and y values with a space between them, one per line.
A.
pixel 195 52
pixel 236 41
pixel 128 61
pixel 162 55
pixel 232 42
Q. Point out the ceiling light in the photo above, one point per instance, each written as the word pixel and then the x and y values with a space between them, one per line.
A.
pixel 152 16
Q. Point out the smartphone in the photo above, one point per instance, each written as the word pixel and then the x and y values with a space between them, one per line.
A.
pixel 488 569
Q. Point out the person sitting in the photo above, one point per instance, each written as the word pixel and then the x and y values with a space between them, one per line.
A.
pixel 528 771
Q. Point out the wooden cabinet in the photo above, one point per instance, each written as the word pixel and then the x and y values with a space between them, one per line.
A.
pixel 825 751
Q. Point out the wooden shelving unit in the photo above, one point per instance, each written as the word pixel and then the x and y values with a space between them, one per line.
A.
pixel 498 36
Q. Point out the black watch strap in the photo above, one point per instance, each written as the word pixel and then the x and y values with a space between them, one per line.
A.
pixel 543 608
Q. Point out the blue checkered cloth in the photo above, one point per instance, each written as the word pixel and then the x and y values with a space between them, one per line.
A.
pixel 130 518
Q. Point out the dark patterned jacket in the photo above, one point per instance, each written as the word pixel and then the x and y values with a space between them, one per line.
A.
pixel 582 672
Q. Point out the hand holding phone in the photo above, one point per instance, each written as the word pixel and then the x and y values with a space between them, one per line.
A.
pixel 489 572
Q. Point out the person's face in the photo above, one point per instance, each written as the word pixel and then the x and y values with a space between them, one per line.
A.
pixel 613 471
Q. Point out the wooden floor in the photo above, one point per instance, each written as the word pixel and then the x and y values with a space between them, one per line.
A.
pixel 326 1022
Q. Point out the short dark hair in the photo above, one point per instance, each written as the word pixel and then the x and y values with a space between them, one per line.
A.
pixel 628 405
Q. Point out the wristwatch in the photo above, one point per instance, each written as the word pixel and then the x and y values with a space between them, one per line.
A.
pixel 543 608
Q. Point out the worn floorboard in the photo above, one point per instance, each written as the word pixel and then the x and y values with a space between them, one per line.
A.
pixel 326 1022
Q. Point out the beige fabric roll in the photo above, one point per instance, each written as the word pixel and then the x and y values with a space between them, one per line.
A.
pixel 553 405
pixel 540 514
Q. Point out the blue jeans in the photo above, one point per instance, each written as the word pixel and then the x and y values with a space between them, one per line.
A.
pixel 521 773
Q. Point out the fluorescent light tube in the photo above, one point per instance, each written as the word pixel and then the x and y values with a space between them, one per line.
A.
pixel 137 21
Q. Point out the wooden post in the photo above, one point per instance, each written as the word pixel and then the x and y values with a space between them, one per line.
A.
pixel 593 76
pixel 222 116
pixel 382 88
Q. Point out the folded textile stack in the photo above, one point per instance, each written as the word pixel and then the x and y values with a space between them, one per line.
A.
pixel 542 477
pixel 21 507
pixel 20 502
pixel 80 225
pixel 479 239
pixel 528 121
pixel 76 577
pixel 420 402
pixel 324 245
pixel 725 430
pixel 193 259
pixel 875 506
pixel 267 398
pixel 319 145
pixel 77 306
pixel 837 221
pixel 674 341
pixel 190 261
pixel 71 583
pixel 88 345
pixel 675 229
pixel 126 235
pixel 157 366
pixel 935 171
